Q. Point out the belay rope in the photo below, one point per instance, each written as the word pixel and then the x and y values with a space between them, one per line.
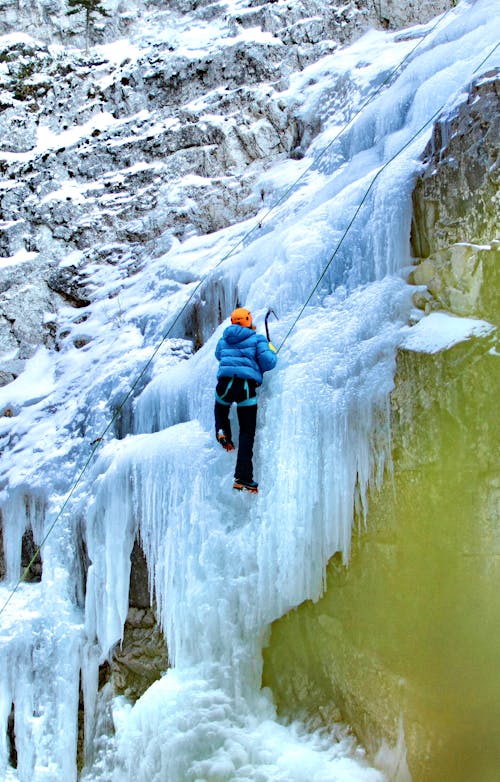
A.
pixel 97 442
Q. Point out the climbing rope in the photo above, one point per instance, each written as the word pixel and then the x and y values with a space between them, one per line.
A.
pixel 97 442
pixel 360 205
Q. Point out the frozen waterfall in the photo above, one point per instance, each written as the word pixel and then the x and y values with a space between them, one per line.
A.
pixel 223 567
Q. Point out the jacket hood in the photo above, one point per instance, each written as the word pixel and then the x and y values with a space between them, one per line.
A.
pixel 235 334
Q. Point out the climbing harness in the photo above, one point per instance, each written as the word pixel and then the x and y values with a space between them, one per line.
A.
pixel 247 401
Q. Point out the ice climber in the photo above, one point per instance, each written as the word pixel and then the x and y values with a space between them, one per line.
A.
pixel 243 357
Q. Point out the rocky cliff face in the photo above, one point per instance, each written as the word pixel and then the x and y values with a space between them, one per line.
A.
pixel 402 640
pixel 109 156
pixel 456 201
pixel 299 21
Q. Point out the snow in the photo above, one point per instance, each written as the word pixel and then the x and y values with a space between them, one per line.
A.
pixel 47 139
pixel 21 256
pixel 32 385
pixel 9 185
pixel 440 331
pixel 222 567
pixel 14 39
pixel 72 259
pixel 238 745
pixel 78 193
pixel 119 51
pixel 201 41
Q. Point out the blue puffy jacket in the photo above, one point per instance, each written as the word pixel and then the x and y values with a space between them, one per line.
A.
pixel 244 353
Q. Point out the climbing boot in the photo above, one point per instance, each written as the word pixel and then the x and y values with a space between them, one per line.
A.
pixel 224 440
pixel 250 486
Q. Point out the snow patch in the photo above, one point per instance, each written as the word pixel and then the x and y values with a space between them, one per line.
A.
pixel 35 383
pixel 440 331
pixel 22 256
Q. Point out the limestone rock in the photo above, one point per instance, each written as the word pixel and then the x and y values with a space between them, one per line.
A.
pixel 139 596
pixel 142 656
pixel 66 282
pixel 301 21
pixel 30 557
pixel 396 14
pixel 456 202
pixel 463 279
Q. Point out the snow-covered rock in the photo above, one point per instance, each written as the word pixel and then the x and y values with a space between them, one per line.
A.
pixel 149 138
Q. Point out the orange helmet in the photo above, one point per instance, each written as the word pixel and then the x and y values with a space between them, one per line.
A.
pixel 242 317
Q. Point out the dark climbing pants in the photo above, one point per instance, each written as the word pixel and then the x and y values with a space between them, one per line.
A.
pixel 243 393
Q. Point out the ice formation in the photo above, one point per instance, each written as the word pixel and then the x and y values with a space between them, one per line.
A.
pixel 223 567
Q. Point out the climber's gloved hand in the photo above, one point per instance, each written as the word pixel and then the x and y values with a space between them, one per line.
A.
pixel 271 347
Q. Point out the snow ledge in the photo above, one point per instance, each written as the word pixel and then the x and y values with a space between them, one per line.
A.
pixel 440 331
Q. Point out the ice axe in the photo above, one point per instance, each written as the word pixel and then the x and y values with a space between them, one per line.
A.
pixel 268 313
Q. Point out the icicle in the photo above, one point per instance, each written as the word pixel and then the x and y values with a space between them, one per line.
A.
pixel 22 510
pixel 110 532
pixel 39 675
